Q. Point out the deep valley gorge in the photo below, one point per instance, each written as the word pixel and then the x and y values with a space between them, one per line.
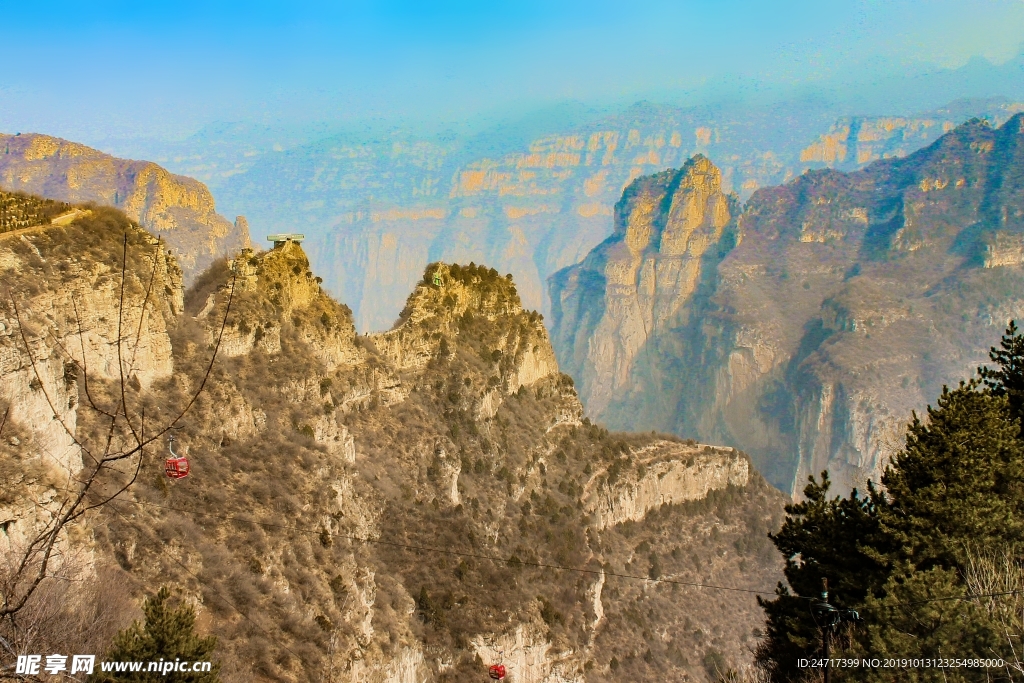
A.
pixel 807 326
pixel 600 398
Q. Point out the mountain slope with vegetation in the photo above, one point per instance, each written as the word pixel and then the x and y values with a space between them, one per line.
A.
pixel 828 310
pixel 406 506
pixel 179 209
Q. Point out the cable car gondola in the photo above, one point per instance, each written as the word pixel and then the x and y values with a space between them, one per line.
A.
pixel 497 671
pixel 176 466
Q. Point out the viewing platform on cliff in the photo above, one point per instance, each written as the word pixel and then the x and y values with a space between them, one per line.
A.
pixel 285 237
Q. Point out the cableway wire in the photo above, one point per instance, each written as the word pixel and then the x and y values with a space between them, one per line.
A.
pixel 506 560
pixel 454 553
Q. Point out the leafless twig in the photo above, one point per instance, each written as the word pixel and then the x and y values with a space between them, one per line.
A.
pixel 126 439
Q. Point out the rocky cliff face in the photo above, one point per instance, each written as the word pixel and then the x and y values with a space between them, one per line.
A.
pixel 179 209
pixel 666 473
pixel 63 311
pixel 847 302
pixel 854 141
pixel 393 507
pixel 668 229
pixel 376 210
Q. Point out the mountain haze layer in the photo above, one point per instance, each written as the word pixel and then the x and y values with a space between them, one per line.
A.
pixel 822 314
pixel 376 208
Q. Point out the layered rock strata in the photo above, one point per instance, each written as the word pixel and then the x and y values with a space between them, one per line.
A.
pixel 376 209
pixel 847 302
pixel 179 209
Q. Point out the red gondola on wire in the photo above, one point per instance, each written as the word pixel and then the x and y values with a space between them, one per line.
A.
pixel 497 671
pixel 176 466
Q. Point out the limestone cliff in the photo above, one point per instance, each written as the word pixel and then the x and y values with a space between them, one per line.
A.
pixel 846 304
pixel 854 141
pixel 179 209
pixel 664 473
pixel 391 507
pixel 669 229
pixel 63 312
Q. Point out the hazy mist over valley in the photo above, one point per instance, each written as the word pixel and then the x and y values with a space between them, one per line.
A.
pixel 550 342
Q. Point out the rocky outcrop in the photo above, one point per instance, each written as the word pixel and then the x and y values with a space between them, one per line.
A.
pixel 849 300
pixel 527 656
pixel 407 667
pixel 663 473
pixel 447 300
pixel 278 284
pixel 669 229
pixel 1004 250
pixel 179 209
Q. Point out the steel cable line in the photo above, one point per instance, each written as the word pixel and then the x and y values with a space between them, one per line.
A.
pixel 454 553
pixel 507 560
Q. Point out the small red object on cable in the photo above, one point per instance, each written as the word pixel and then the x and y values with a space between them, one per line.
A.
pixel 175 466
pixel 497 671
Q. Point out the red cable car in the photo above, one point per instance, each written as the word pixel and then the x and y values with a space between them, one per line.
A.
pixel 176 466
pixel 497 671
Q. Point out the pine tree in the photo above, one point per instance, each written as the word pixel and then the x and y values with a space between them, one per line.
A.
pixel 960 479
pixel 925 614
pixel 834 538
pixel 168 634
pixel 1008 379
pixel 899 557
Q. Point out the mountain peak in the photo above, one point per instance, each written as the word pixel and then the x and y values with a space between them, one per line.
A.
pixel 452 290
pixel 668 228
pixel 663 210
pixel 471 310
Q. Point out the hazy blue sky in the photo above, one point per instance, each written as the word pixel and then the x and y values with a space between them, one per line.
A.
pixel 94 69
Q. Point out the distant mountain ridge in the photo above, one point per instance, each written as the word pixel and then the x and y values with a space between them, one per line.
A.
pixel 376 209
pixel 846 302
pixel 180 209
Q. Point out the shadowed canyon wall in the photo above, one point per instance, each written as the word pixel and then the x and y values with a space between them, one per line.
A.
pixel 847 300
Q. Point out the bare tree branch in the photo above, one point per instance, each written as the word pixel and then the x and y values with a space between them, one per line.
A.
pixel 124 439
